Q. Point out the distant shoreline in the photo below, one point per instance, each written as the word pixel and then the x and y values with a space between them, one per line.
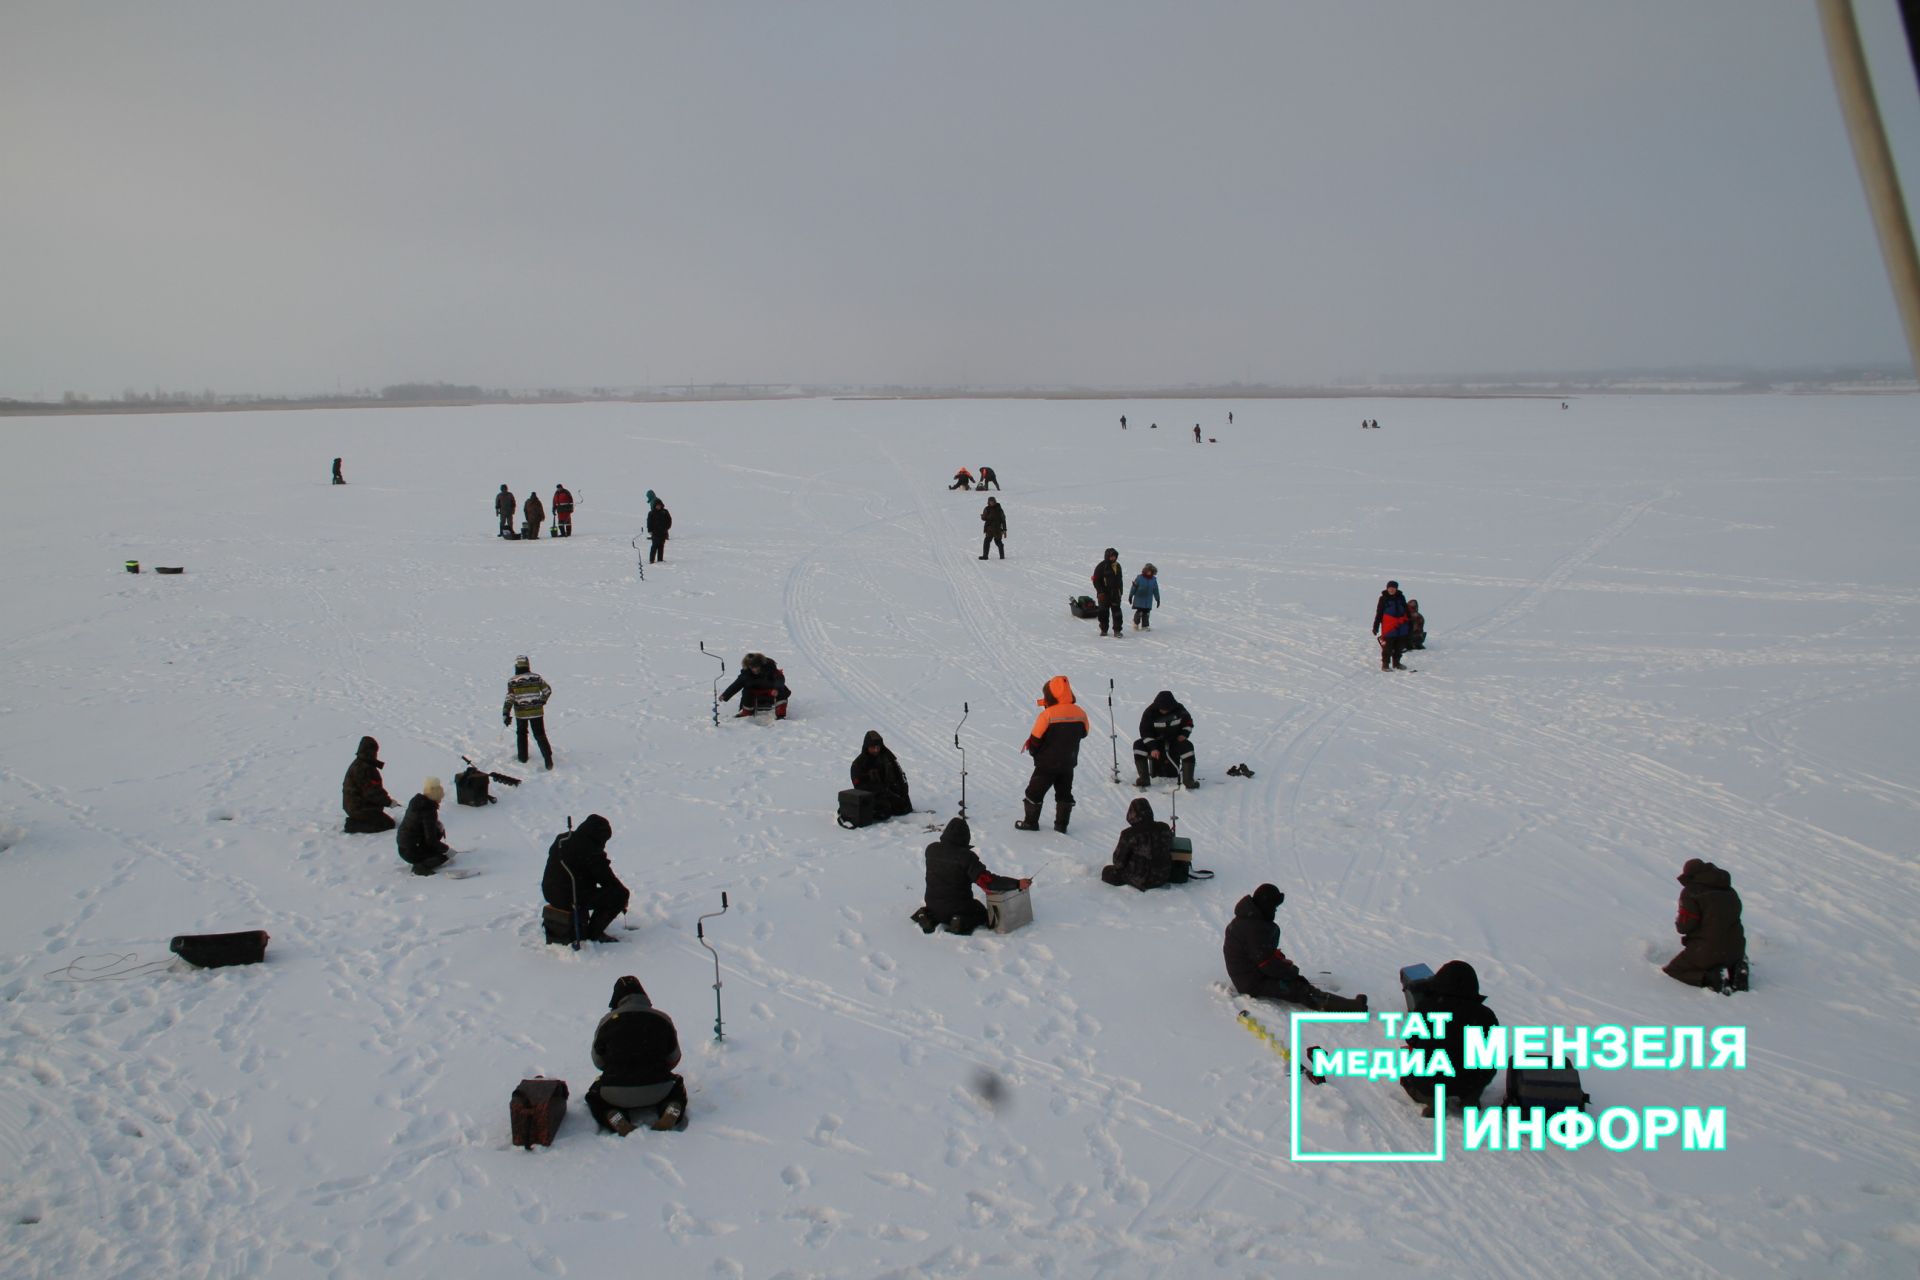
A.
pixel 96 408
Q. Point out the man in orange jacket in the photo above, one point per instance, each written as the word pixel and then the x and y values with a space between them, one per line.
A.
pixel 1054 744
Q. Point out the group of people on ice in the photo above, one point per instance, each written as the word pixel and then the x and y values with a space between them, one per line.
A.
pixel 964 479
pixel 534 512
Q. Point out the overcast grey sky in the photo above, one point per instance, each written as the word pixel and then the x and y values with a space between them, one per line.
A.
pixel 268 196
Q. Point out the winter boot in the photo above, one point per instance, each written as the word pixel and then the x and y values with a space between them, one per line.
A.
pixel 1031 822
pixel 925 919
pixel 670 1115
pixel 1141 780
pixel 618 1122
pixel 1386 660
pixel 1186 774
pixel 1061 812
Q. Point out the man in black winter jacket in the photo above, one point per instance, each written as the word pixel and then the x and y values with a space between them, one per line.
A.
pixel 993 527
pixel 1256 965
pixel 504 506
pixel 1109 586
pixel 1708 922
pixel 1165 746
pixel 422 840
pixel 659 521
pixel 1143 857
pixel 875 769
pixel 953 869
pixel 579 878
pixel 1455 990
pixel 636 1048
pixel 761 684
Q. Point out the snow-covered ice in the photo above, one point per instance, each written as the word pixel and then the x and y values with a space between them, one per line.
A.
pixel 1662 627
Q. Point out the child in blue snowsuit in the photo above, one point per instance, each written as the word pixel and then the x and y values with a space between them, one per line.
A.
pixel 1144 596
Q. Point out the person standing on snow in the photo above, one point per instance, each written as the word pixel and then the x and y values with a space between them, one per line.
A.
pixel 562 512
pixel 504 506
pixel 993 526
pixel 535 513
pixel 1196 433
pixel 337 477
pixel 1109 582
pixel 1256 965
pixel 1416 627
pixel 659 521
pixel 1144 596
pixel 1054 744
pixel 526 708
pixel 1390 626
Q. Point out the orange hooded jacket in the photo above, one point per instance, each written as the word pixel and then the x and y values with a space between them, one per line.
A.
pixel 1057 707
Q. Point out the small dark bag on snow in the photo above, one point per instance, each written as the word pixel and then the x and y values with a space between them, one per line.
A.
pixel 217 950
pixel 1552 1089
pixel 1083 607
pixel 859 808
pixel 470 788
pixel 536 1110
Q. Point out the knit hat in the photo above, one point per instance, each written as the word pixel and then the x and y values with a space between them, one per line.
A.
pixel 523 663
pixel 1111 553
pixel 433 790
pixel 1394 585
pixel 1149 570
pixel 1268 897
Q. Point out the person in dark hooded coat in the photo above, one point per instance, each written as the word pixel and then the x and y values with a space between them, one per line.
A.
pixel 363 795
pixel 761 684
pixel 1454 990
pixel 580 876
pixel 659 527
pixel 422 839
pixel 1256 965
pixel 875 769
pixel 1708 922
pixel 504 506
pixel 1143 857
pixel 1164 747
pixel 636 1048
pixel 953 869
